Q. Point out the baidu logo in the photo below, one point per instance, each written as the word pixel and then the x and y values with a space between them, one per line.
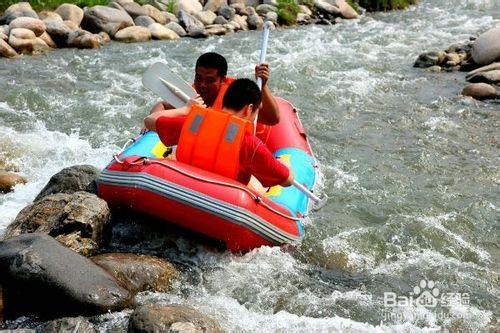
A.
pixel 426 294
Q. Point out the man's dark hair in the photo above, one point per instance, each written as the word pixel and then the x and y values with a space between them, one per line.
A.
pixel 241 93
pixel 213 60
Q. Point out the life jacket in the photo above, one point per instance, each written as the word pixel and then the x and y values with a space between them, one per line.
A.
pixel 222 91
pixel 211 140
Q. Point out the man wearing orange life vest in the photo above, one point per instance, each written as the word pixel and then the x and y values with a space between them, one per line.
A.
pixel 211 83
pixel 221 141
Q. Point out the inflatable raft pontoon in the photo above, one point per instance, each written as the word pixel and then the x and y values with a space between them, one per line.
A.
pixel 144 179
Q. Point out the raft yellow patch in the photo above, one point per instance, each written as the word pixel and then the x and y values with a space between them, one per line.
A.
pixel 275 191
pixel 159 149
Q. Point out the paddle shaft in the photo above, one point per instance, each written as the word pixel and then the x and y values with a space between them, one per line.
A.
pixel 263 49
pixel 306 191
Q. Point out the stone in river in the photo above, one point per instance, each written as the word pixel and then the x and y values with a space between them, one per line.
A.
pixel 480 91
pixel 8 52
pixel 491 77
pixel 486 48
pixel 70 12
pixel 109 20
pixel 429 59
pixel 176 27
pixel 8 179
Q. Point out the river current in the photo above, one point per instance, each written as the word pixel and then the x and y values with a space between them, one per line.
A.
pixel 411 169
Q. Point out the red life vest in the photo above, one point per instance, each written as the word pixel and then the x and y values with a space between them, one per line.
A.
pixel 222 91
pixel 211 140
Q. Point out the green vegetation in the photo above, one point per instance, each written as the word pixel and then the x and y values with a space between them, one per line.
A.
pixel 39 5
pixel 381 5
pixel 287 12
pixel 171 6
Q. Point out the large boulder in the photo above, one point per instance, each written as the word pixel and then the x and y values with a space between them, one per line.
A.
pixel 21 9
pixel 429 59
pixel 159 31
pixel 109 20
pixel 8 52
pixel 138 272
pixel 81 214
pixel 8 179
pixel 48 16
pixel 143 21
pixel 69 325
pixel 344 9
pixel 170 318
pixel 33 24
pixel 84 40
pixel 189 22
pixel 480 91
pixel 40 275
pixel 25 41
pixel 155 14
pixel 491 77
pixel 206 17
pixel 253 19
pixel 189 6
pixel 70 12
pixel 176 27
pixel 491 67
pixel 48 40
pixel 242 21
pixel 264 9
pixel 227 12
pixel 59 33
pixel 133 35
pixel 170 17
pixel 214 5
pixel 486 48
pixel 134 9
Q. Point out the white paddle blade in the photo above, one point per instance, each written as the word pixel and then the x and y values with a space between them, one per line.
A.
pixel 170 87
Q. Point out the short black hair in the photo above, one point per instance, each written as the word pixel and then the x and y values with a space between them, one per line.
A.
pixel 213 60
pixel 240 93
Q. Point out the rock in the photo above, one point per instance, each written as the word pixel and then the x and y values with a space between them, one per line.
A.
pixel 159 31
pixel 21 9
pixel 143 21
pixel 344 9
pixel 160 5
pixel 8 52
pixel 59 33
pixel 48 16
pixel 264 9
pixel 138 272
pixel 155 14
pixel 491 77
pixel 492 67
pixel 25 41
pixel 270 2
pixel 227 12
pixel 116 5
pixel 170 17
pixel 480 91
pixel 303 18
pixel 73 325
pixel 242 21
pixel 84 246
pixel 8 179
pixel 459 48
pixel 36 269
pixel 134 9
pixel 206 17
pixel 84 40
pixel 176 27
pixel 216 29
pixel 229 28
pixel 252 3
pixel 214 5
pixel 70 12
pixel 429 59
pixel 486 48
pixel 48 40
pixel 5 29
pixel 33 24
pixel 198 33
pixel 189 6
pixel 254 21
pixel 109 20
pixel 272 17
pixel 78 213
pixel 104 38
pixel 71 25
pixel 305 10
pixel 161 318
pixel 133 35
pixel 72 179
pixel 452 59
pixel 326 8
pixel 240 8
pixel 221 20
pixel 189 22
pixel 434 69
pixel 3 36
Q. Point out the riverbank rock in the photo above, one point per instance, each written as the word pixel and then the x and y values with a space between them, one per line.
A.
pixel 345 10
pixel 227 12
pixel 8 52
pixel 109 20
pixel 491 77
pixel 72 179
pixel 3 36
pixel 39 275
pixel 170 17
pixel 220 20
pixel 84 40
pixel 134 9
pixel 59 33
pixel 138 272
pixel 254 21
pixel 33 24
pixel 81 214
pixel 486 48
pixel 155 14
pixel 70 12
pixel 214 5
pixel 143 21
pixel 242 21
pixel 69 324
pixel 21 9
pixel 8 179
pixel 170 318
pixel 216 30
pixel 429 59
pixel 189 6
pixel 48 40
pixel 264 9
pixel 160 32
pixel 491 67
pixel 25 41
pixel 189 22
pixel 480 91
pixel 133 35
pixel 206 17
pixel 176 27
pixel 48 16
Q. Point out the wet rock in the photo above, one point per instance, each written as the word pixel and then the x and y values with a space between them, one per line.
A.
pixel 176 27
pixel 326 8
pixel 160 32
pixel 69 324
pixel 134 9
pixel 189 6
pixel 6 51
pixel 59 33
pixel 155 14
pixel 109 20
pixel 84 40
pixel 71 13
pixel 21 9
pixel 486 48
pixel 254 21
pixel 189 22
pixel 216 29
pixel 84 246
pixel 170 17
pixel 168 318
pixel 452 59
pixel 491 67
pixel 25 41
pixel 221 20
pixel 480 91
pixel 138 272
pixel 227 12
pixel 264 9
pixel 8 179
pixel 72 179
pixel 37 269
pixel 242 21
pixel 435 69
pixel 48 16
pixel 206 17
pixel 429 59
pixel 48 40
pixel 459 48
pixel 35 25
pixel 80 213
pixel 229 28
pixel 143 21
pixel 214 5
pixel 491 77
pixel 133 35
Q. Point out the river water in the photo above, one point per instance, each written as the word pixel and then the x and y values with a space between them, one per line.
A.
pixel 411 169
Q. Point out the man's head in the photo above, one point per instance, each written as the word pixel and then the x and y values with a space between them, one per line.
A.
pixel 210 71
pixel 243 97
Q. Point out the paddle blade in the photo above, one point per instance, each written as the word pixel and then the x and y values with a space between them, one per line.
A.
pixel 169 86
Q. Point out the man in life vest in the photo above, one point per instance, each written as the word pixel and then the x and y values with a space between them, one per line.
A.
pixel 221 141
pixel 211 83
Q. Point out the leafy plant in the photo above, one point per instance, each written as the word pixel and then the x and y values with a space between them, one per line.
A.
pixel 52 4
pixel 287 12
pixel 171 6
pixel 383 5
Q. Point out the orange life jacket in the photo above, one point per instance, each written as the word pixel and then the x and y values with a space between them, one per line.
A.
pixel 222 91
pixel 211 140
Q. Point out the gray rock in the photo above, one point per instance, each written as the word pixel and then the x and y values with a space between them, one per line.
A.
pixel 81 214
pixel 59 33
pixel 109 20
pixel 71 179
pixel 214 5
pixel 84 40
pixel 134 9
pixel 69 325
pixel 271 2
pixel 169 17
pixel 252 3
pixel 206 17
pixel 480 91
pixel 21 9
pixel 189 22
pixel 176 27
pixel 491 77
pixel 240 8
pixel 159 5
pixel 161 318
pixel 8 179
pixel 155 14
pixel 220 20
pixel 8 52
pixel 133 35
pixel 429 59
pixel 188 6
pixel 492 67
pixel 198 33
pixel 37 270
pixel 227 12
pixel 116 5
pixel 216 29
pixel 486 48
pixel 5 29
pixel 70 12
pixel 254 21
pixel 143 21
pixel 264 9
pixel 272 17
